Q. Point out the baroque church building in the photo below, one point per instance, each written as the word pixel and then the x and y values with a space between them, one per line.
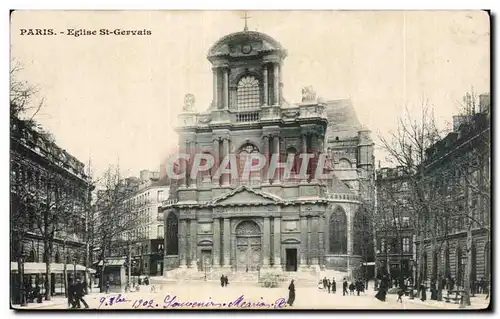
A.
pixel 230 225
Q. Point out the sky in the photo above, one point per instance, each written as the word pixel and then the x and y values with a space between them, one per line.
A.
pixel 114 99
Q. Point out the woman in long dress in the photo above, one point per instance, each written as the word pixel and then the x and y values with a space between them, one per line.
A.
pixel 382 290
pixel 291 293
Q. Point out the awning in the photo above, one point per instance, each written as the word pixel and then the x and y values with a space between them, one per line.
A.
pixel 113 262
pixel 371 263
pixel 39 268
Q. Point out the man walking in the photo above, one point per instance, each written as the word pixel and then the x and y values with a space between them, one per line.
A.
pixel 79 293
pixel 344 287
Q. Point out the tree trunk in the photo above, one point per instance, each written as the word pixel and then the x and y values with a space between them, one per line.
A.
pixel 65 270
pixel 468 271
pixel 48 270
pixel 101 279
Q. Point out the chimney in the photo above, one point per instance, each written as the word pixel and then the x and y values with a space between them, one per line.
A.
pixel 484 103
pixel 144 175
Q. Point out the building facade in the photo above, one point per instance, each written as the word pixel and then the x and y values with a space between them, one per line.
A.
pixel 394 224
pixel 460 167
pixel 48 187
pixel 267 223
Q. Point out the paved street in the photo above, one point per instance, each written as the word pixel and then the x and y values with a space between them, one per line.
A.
pixel 204 293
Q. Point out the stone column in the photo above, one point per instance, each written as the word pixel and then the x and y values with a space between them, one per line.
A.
pixel 304 151
pixel 315 240
pixel 266 247
pixel 225 150
pixel 276 83
pixel 277 242
pixel 216 149
pixel 216 242
pixel 182 243
pixel 183 163
pixel 309 241
pixel 266 85
pixel 191 151
pixel 303 242
pixel 225 92
pixel 321 237
pixel 215 71
pixel 276 152
pixel 227 243
pixel 350 234
pixel 265 149
pixel 193 241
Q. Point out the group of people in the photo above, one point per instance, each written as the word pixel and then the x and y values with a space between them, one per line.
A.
pixel 224 281
pixel 76 291
pixel 358 285
pixel 331 285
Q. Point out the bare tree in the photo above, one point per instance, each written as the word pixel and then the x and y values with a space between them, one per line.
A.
pixel 407 149
pixel 23 95
pixel 115 216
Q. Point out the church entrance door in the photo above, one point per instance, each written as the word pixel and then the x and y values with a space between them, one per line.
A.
pixel 248 246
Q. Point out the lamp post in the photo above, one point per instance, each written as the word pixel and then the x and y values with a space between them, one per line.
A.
pixel 74 267
pixel 22 258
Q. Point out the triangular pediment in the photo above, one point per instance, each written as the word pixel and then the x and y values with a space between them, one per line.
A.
pixel 245 196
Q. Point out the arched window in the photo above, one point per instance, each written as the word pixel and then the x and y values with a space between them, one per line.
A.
pixel 248 94
pixel 344 163
pixel 206 176
pixel 243 157
pixel 172 233
pixel 160 232
pixel 338 232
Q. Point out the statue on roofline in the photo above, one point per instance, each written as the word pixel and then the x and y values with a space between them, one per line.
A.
pixel 308 94
pixel 189 101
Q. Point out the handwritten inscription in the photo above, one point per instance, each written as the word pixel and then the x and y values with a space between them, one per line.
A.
pixel 174 302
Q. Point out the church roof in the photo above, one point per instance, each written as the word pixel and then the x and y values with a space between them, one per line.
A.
pixel 339 187
pixel 223 45
pixel 342 118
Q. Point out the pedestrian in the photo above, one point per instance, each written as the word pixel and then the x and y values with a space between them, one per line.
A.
pixel 70 293
pixel 423 292
pixel 79 293
pixel 351 288
pixel 226 281
pixel 328 284
pixel 344 287
pixel 107 287
pixel 222 281
pixel 334 285
pixel 291 293
pixel 400 294
pixel 359 286
pixel 433 290
pixel 382 290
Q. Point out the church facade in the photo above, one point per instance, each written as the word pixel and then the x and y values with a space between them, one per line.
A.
pixel 282 223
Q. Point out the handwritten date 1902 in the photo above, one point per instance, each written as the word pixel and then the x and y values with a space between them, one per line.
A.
pixel 144 303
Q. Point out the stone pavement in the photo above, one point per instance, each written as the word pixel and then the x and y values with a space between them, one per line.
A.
pixel 227 297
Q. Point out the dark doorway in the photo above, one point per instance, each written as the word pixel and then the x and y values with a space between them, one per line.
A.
pixel 291 259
